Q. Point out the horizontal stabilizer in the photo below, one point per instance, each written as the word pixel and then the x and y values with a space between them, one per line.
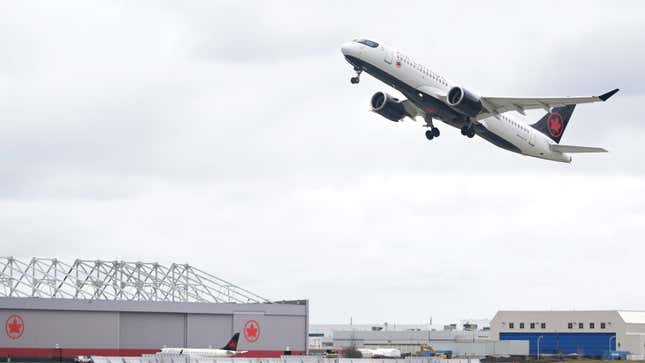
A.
pixel 576 149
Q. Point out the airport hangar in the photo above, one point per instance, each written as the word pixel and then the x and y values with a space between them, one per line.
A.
pixel 584 333
pixel 53 310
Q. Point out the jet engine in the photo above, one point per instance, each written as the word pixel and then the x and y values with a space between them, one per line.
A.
pixel 387 106
pixel 464 102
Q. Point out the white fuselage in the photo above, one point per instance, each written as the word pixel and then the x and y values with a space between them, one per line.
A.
pixel 526 139
pixel 200 352
pixel 380 353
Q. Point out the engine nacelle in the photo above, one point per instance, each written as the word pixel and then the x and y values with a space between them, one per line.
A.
pixel 387 106
pixel 464 102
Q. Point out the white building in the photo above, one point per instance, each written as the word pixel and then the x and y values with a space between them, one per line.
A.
pixel 590 333
pixel 469 342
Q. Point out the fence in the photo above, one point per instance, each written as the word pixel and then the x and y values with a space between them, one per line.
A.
pixel 172 358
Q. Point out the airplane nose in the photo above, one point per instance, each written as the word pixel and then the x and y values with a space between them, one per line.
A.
pixel 346 48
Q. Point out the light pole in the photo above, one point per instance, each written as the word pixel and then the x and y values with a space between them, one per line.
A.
pixel 610 338
pixel 538 346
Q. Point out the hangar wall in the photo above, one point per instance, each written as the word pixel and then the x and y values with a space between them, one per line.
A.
pixel 591 333
pixel 34 327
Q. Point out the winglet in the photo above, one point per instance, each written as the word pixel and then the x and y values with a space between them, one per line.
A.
pixel 606 96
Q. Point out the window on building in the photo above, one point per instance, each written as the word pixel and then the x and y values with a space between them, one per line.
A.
pixel 603 325
pixel 581 325
pixel 592 325
pixel 512 325
pixel 521 325
pixel 532 325
pixel 543 325
pixel 570 325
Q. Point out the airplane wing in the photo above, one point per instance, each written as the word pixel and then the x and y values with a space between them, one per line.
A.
pixel 576 149
pixel 497 105
pixel 412 110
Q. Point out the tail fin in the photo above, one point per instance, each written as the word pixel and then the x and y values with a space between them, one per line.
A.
pixel 232 344
pixel 554 122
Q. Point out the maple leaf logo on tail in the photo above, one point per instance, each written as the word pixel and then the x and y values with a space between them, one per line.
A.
pixel 232 345
pixel 555 124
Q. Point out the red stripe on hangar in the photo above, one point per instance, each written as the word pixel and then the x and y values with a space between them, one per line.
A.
pixel 73 352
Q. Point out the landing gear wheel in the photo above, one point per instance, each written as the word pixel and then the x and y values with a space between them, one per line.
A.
pixel 468 131
pixel 357 79
pixel 432 131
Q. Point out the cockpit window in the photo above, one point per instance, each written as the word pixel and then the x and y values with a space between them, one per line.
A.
pixel 367 42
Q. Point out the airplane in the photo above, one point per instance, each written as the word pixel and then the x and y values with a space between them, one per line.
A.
pixel 380 353
pixel 432 96
pixel 229 350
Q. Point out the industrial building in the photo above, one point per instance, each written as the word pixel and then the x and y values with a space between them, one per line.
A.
pixel 469 341
pixel 54 310
pixel 585 333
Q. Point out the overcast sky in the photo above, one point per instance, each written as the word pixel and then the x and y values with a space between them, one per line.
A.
pixel 227 135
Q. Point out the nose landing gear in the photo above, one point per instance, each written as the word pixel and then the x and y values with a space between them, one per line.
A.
pixel 356 79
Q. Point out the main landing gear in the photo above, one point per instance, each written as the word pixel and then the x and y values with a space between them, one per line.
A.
pixel 433 131
pixel 357 79
pixel 468 130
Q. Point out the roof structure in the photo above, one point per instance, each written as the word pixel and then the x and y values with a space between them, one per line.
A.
pixel 632 317
pixel 117 281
